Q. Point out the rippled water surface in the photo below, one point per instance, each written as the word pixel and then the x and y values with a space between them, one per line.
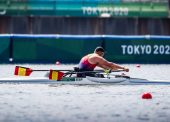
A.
pixel 97 103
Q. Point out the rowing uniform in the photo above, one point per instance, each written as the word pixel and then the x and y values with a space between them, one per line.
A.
pixel 85 65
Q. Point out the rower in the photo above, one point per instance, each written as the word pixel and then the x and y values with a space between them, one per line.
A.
pixel 90 61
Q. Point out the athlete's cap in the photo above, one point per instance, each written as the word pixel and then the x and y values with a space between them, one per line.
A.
pixel 99 49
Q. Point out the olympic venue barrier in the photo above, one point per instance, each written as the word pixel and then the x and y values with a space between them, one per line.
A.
pixel 17 48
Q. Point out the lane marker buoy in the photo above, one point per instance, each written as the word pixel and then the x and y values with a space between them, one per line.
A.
pixel 138 65
pixel 147 96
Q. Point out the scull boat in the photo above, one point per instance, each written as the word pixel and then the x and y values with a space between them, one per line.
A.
pixel 58 77
pixel 85 81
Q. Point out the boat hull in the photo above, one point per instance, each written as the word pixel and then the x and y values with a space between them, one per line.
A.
pixel 84 81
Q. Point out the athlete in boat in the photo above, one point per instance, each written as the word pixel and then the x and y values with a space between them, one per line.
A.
pixel 90 61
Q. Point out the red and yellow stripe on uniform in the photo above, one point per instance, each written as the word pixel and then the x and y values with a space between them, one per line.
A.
pixel 22 71
pixel 55 75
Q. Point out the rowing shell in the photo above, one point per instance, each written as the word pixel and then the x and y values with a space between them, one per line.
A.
pixel 84 81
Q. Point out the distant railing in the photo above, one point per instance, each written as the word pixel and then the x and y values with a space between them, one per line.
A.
pixel 86 8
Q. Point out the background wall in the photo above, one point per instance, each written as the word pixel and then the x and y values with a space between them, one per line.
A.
pixel 81 25
pixel 118 17
pixel 70 48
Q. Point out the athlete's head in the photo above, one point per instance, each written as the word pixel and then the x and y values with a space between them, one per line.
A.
pixel 100 51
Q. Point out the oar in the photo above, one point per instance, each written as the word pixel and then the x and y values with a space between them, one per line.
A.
pixel 95 71
pixel 41 70
pixel 55 74
pixel 25 71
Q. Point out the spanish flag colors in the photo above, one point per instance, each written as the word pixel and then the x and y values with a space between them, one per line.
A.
pixel 55 75
pixel 22 71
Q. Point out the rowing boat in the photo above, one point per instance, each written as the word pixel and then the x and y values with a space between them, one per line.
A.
pixel 85 81
pixel 70 77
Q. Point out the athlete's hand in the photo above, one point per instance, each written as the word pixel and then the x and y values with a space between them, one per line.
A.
pixel 126 69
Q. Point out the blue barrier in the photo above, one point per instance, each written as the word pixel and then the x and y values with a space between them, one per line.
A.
pixel 25 48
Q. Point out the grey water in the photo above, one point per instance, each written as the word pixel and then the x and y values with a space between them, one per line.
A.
pixel 74 103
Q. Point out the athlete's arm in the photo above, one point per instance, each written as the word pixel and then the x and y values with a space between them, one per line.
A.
pixel 103 63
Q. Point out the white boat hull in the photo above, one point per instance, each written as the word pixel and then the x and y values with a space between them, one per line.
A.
pixel 84 81
pixel 127 81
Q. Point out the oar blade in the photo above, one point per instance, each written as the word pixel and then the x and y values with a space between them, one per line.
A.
pixel 22 71
pixel 55 75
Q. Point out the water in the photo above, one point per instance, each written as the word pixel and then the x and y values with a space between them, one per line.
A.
pixel 99 103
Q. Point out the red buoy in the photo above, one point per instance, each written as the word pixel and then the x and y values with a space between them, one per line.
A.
pixel 147 96
pixel 138 65
pixel 57 63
